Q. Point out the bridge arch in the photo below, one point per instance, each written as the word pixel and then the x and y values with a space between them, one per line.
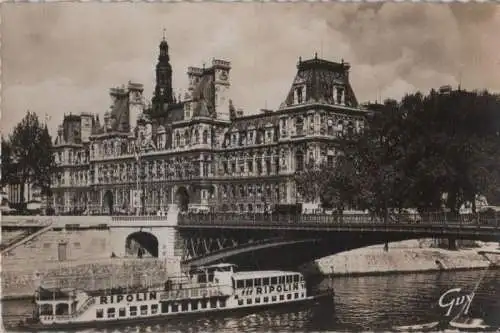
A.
pixel 108 202
pixel 141 244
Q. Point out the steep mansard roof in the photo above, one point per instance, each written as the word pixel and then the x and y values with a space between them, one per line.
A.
pixel 319 77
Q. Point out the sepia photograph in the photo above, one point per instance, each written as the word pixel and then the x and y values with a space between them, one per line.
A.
pixel 250 167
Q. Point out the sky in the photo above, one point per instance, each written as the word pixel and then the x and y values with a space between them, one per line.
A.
pixel 61 58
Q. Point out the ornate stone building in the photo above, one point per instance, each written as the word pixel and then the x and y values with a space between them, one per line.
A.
pixel 198 149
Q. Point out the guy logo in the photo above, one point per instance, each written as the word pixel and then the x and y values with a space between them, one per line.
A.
pixel 452 298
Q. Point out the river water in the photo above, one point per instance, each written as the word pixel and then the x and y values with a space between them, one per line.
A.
pixel 370 303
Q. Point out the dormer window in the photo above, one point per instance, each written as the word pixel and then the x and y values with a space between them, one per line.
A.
pixel 299 94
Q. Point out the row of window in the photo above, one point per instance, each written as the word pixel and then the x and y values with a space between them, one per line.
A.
pixel 166 307
pixel 265 299
pixel 250 283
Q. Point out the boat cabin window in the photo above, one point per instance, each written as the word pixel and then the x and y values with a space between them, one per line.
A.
pixel 295 278
pixel 154 308
pixel 266 299
pixel 204 304
pixel 213 303
pixel 175 307
pixel 194 305
pixel 289 296
pixel 122 312
pixel 240 284
pixel 265 281
pixel 258 282
pixel 99 313
pixel 274 280
pixel 296 295
pixel 281 279
pixel 222 303
pixel 184 306
pixel 133 311
pixel 111 312
pixel 289 279
pixel 257 300
pixel 249 283
pixel 249 301
pixel 282 297
pixel 144 310
pixel 164 307
pixel 273 298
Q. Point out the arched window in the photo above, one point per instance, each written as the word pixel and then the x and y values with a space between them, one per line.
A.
pixel 205 136
pixel 196 137
pixel 299 125
pixel 177 139
pixel 299 161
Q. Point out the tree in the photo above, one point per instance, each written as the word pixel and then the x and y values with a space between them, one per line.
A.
pixel 31 148
pixel 8 176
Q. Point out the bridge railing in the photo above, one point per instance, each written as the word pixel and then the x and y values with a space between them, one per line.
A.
pixel 432 219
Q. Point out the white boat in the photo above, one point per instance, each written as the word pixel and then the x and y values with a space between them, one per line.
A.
pixel 469 324
pixel 426 327
pixel 209 289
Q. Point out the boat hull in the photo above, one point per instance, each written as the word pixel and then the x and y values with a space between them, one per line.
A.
pixel 303 303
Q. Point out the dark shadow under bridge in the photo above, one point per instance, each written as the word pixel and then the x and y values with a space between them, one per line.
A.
pixel 286 241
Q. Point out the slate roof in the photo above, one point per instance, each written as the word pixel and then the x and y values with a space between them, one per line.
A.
pixel 320 76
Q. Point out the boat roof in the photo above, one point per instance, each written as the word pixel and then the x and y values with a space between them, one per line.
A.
pixel 221 265
pixel 262 274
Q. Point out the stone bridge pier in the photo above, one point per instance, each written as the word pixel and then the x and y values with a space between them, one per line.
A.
pixel 155 236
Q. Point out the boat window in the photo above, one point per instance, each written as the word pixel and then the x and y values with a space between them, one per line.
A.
pixel 296 295
pixel 240 302
pixel 265 281
pixel 257 300
pixel 302 295
pixel 122 312
pixel 273 298
pixel 111 312
pixel 289 296
pixel 99 313
pixel 249 283
pixel 164 307
pixel 194 305
pixel 274 280
pixel 240 284
pixel 133 311
pixel 175 307
pixel 281 279
pixel 301 278
pixel 222 303
pixel 184 306
pixel 249 301
pixel 233 283
pixel 295 278
pixel 154 308
pixel 258 282
pixel 213 303
pixel 289 279
pixel 203 304
pixel 144 310
pixel 266 299
pixel 282 297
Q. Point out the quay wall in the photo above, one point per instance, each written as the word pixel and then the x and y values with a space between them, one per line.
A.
pixel 402 257
pixel 94 274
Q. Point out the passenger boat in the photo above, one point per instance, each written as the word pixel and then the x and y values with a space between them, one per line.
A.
pixel 209 289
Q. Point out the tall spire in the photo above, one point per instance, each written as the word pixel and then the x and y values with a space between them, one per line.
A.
pixel 163 89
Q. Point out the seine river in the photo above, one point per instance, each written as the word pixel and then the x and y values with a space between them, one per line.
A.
pixel 373 303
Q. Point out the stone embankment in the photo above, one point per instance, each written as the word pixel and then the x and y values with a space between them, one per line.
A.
pixel 100 274
pixel 403 257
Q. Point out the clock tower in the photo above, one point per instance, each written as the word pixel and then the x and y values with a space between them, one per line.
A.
pixel 163 88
